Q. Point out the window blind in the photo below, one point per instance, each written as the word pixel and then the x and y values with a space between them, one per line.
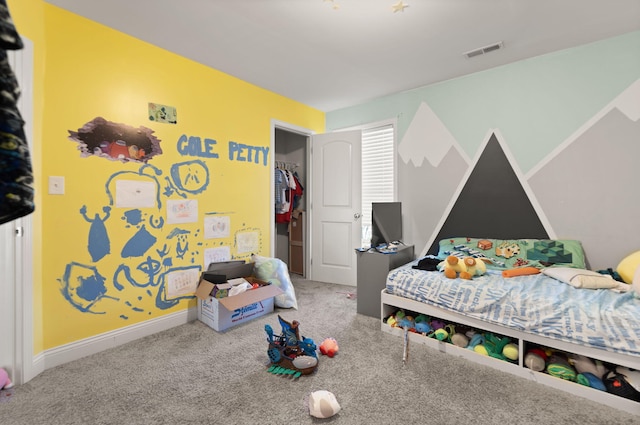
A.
pixel 378 172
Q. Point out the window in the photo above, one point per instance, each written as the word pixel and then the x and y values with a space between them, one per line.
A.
pixel 378 171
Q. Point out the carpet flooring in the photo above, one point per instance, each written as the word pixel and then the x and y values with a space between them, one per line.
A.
pixel 192 374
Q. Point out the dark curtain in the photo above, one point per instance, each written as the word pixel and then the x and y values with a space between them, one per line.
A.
pixel 16 177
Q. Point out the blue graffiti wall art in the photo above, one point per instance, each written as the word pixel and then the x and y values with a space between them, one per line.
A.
pixel 153 274
pixel 99 244
pixel 139 243
pixel 84 287
pixel 133 217
pixel 187 178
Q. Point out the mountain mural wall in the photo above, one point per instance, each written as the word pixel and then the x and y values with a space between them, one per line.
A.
pixel 544 148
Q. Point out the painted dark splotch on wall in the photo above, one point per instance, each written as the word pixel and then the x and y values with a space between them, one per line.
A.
pixel 116 141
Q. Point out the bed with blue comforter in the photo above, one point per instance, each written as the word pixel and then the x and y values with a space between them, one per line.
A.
pixel 535 304
pixel 538 294
pixel 565 302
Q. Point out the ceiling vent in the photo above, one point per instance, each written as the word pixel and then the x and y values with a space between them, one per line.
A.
pixel 482 50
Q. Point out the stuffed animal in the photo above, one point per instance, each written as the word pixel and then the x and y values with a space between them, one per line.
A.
pixel 437 324
pixel 460 339
pixel 461 335
pixel 511 352
pixel 494 345
pixel 583 364
pixel 477 340
pixel 5 382
pixel 588 379
pixel 407 322
pixel 559 367
pixel 323 404
pixel 475 267
pixel 422 324
pixel 329 347
pixel 536 359
pixel 423 328
pixel 466 268
pixel 623 382
pixel 440 334
pixel 391 321
pixel 453 267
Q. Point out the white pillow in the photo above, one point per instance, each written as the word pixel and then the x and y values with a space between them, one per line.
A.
pixel 581 278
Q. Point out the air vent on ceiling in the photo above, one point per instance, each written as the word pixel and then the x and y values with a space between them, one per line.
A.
pixel 483 50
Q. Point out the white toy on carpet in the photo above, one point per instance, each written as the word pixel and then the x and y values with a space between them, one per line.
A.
pixel 323 404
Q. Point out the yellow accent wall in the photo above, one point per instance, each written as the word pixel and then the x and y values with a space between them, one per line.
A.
pixel 106 262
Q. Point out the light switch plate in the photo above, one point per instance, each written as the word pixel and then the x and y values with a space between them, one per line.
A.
pixel 56 185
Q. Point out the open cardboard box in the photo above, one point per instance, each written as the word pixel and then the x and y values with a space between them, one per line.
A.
pixel 223 313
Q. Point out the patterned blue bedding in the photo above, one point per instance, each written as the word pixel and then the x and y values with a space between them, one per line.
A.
pixel 534 304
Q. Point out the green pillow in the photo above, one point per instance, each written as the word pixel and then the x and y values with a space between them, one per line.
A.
pixel 512 253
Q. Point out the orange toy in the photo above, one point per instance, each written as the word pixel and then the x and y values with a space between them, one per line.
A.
pixel 329 347
pixel 522 271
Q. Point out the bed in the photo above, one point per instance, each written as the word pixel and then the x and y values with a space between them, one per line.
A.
pixel 566 308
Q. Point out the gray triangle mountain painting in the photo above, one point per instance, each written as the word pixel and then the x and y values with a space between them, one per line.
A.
pixel 492 203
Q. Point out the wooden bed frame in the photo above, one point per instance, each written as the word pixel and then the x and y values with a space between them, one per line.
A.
pixel 391 303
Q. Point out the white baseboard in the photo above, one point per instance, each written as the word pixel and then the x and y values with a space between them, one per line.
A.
pixel 85 347
pixel 35 368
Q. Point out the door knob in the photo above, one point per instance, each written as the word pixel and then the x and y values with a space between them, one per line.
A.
pixel 356 216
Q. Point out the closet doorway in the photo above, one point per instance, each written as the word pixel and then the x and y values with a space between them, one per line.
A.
pixel 290 217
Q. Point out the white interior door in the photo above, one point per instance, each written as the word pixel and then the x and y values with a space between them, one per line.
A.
pixel 16 255
pixel 7 297
pixel 335 206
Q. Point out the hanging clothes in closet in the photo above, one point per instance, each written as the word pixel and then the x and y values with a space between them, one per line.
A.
pixel 16 177
pixel 288 192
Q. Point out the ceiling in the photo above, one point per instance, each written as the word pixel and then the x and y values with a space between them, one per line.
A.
pixel 334 54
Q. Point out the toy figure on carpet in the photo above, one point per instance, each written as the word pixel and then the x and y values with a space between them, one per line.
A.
pixel 329 347
pixel 5 382
pixel 322 404
pixel 5 385
pixel 288 352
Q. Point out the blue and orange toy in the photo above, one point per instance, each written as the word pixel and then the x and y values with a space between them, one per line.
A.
pixel 289 353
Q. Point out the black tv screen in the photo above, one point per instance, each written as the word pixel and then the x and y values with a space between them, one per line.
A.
pixel 386 222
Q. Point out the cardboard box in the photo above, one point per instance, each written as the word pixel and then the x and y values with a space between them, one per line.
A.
pixel 221 314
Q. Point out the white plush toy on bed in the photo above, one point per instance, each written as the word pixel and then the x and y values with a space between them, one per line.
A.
pixel 588 279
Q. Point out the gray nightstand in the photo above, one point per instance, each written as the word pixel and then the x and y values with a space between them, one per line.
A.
pixel 373 268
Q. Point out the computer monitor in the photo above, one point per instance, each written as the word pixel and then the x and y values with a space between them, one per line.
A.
pixel 386 222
